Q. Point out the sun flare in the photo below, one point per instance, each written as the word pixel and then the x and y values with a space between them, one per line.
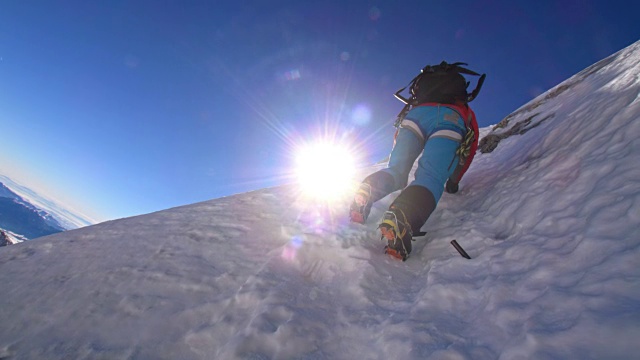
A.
pixel 325 170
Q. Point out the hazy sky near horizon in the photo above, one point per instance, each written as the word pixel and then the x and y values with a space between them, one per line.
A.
pixel 127 107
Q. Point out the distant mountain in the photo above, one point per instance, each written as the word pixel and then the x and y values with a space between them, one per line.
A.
pixel 67 218
pixel 25 214
pixel 10 238
pixel 21 217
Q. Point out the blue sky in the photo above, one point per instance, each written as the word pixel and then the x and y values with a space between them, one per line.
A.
pixel 127 107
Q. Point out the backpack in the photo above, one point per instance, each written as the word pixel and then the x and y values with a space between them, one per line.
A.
pixel 442 83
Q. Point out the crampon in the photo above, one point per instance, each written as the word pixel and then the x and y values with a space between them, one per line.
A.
pixel 397 234
pixel 394 247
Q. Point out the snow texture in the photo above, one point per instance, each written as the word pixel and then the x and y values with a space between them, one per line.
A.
pixel 550 218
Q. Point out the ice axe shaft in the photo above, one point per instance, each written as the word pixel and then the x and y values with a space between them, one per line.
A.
pixel 460 249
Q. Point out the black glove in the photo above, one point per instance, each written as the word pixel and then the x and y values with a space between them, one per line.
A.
pixel 451 187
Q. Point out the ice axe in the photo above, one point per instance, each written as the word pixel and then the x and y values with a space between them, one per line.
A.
pixel 460 249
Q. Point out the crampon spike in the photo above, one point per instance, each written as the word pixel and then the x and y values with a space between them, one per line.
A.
pixel 394 253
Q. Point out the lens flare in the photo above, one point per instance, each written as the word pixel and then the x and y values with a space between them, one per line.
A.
pixel 325 170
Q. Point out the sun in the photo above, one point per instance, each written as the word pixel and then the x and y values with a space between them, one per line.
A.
pixel 325 170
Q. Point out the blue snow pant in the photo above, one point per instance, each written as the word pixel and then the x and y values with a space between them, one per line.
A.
pixel 436 132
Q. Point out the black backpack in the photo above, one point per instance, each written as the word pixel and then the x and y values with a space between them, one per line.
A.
pixel 442 83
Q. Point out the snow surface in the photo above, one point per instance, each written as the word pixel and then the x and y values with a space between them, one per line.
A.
pixel 550 219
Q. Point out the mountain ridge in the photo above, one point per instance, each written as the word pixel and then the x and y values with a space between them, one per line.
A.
pixel 30 215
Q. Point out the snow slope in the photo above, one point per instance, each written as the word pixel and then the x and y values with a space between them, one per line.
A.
pixel 550 218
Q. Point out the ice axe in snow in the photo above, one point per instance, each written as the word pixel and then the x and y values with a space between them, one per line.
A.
pixel 460 249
